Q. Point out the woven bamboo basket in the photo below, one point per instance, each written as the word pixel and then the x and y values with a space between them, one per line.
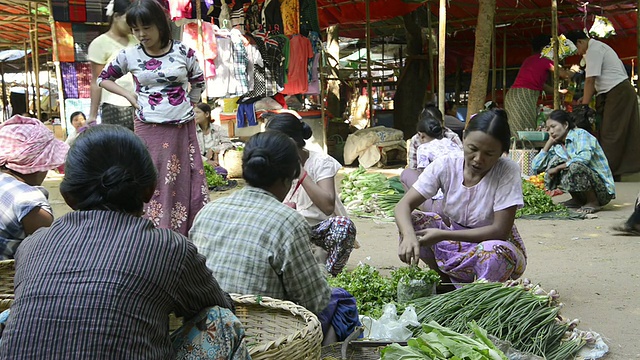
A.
pixel 277 329
pixel 232 161
pixel 7 273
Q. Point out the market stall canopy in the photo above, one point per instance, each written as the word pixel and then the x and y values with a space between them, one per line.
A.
pixel 18 17
pixel 517 22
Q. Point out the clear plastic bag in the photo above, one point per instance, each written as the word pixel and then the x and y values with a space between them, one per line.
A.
pixel 414 289
pixel 390 327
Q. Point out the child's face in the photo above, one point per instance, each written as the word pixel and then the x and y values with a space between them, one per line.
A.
pixel 148 35
pixel 78 121
pixel 423 137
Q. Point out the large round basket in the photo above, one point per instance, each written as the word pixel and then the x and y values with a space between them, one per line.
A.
pixel 277 329
pixel 232 161
pixel 7 273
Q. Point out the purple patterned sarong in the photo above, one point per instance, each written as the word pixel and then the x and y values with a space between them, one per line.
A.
pixel 337 236
pixel 182 188
pixel 463 262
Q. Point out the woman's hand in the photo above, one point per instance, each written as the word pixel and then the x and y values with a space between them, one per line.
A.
pixel 132 97
pixel 431 237
pixel 409 249
pixel 554 171
pixel 549 144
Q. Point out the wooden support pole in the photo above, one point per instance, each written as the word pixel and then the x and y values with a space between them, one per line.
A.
pixel 638 48
pixel 369 89
pixel 493 64
pixel 432 72
pixel 26 74
pixel 56 62
pixel 442 35
pixel 556 47
pixel 504 64
pixel 35 55
pixel 205 93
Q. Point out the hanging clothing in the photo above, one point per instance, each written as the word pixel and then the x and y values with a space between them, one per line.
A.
pixel 209 52
pixel 221 84
pixel 252 17
pixel 290 10
pixel 246 115
pixel 271 15
pixel 308 17
pixel 300 53
pixel 240 64
pixel 180 9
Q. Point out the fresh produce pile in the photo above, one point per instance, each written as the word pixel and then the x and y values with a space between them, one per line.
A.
pixel 536 200
pixel 438 342
pixel 517 311
pixel 370 194
pixel 213 178
pixel 372 290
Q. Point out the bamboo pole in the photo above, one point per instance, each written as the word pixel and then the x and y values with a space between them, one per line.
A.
pixel 35 56
pixel 554 33
pixel 56 62
pixel 26 75
pixel 368 30
pixel 5 116
pixel 442 35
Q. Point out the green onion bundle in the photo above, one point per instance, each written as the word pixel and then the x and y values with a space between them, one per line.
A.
pixel 364 193
pixel 516 312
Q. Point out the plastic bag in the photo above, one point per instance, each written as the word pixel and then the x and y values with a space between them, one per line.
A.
pixel 390 327
pixel 414 289
pixel 565 48
pixel 602 28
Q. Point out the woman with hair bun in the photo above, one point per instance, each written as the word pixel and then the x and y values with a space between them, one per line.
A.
pixel 474 236
pixel 574 162
pixel 315 197
pixel 102 281
pixel 252 241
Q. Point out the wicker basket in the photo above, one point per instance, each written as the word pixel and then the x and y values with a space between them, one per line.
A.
pixel 7 273
pixel 232 161
pixel 277 329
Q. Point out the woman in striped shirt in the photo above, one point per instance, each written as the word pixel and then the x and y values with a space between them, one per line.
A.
pixel 101 282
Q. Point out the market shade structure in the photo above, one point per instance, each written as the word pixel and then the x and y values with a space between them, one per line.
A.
pixel 517 21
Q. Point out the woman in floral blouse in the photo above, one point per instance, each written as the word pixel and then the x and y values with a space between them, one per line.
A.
pixel 162 70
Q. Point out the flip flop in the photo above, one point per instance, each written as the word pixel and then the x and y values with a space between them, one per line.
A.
pixel 589 209
pixel 625 231
pixel 570 204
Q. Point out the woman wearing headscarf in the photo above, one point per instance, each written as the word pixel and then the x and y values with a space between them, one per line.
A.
pixel 28 150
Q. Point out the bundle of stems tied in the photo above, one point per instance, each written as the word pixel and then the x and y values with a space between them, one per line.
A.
pixel 370 194
pixel 519 312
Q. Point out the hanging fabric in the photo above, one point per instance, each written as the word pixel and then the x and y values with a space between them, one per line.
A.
pixel 290 10
pixel 301 52
pixel 252 20
pixel 271 15
pixel 180 9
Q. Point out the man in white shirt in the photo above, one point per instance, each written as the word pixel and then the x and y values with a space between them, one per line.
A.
pixel 616 103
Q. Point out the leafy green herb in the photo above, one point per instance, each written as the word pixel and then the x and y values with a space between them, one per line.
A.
pixel 536 201
pixel 213 178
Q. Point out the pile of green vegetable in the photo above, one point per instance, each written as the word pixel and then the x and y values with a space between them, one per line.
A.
pixel 370 194
pixel 372 290
pixel 537 201
pixel 213 178
pixel 518 312
pixel 438 342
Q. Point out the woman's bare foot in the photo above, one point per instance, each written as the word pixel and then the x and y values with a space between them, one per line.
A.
pixel 589 208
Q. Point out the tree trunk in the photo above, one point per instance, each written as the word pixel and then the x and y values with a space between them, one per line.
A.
pixel 333 86
pixel 481 57
pixel 414 77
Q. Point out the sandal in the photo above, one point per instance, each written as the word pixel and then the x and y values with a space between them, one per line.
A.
pixel 589 209
pixel 571 204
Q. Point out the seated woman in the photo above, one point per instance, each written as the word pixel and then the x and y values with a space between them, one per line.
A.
pixel 102 281
pixel 474 237
pixel 418 138
pixel 78 121
pixel 213 142
pixel 257 245
pixel 28 150
pixel 315 197
pixel 434 145
pixel 574 162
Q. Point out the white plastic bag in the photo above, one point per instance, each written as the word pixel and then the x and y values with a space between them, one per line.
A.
pixel 390 327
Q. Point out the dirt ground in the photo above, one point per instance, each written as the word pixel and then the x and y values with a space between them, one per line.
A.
pixel 593 270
